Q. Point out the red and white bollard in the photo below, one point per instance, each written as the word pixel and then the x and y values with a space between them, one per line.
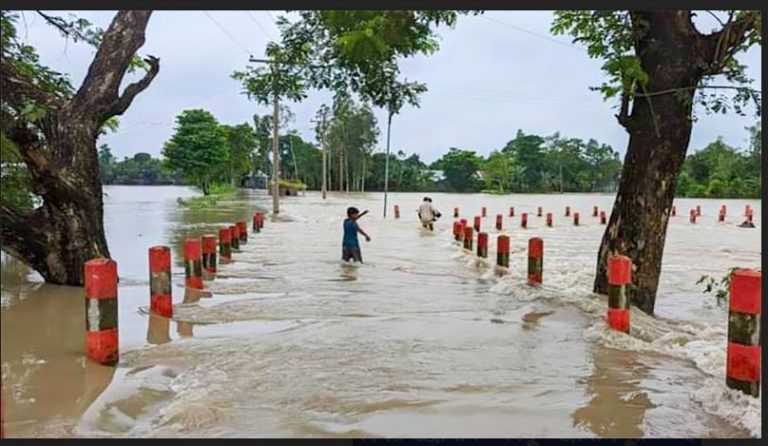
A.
pixel 477 223
pixel 234 236
pixel 619 276
pixel 575 218
pixel 258 221
pixel 502 251
pixel 512 211
pixel 160 300
pixel 535 260
pixel 482 245
pixel 101 336
pixel 743 352
pixel 484 212
pixel 225 243
pixel 209 253
pixel 455 212
pixel 193 263
pixel 539 211
pixel 567 211
pixel 524 220
pixel 242 230
pixel 603 218
pixel 692 217
pixel 499 221
pixel 468 234
pixel 549 219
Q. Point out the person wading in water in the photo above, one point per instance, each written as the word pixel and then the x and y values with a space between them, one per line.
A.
pixel 428 214
pixel 350 246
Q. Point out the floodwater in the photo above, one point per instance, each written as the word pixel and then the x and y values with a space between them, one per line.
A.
pixel 423 340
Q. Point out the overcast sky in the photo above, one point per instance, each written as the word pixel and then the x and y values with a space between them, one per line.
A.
pixel 494 73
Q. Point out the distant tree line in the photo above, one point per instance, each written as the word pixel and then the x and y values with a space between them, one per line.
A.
pixel 722 171
pixel 203 152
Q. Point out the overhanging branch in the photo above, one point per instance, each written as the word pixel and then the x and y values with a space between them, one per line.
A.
pixel 124 101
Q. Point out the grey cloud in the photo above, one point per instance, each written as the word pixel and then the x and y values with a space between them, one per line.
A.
pixel 487 80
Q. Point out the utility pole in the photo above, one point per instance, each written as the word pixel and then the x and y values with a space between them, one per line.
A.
pixel 386 162
pixel 275 146
pixel 325 156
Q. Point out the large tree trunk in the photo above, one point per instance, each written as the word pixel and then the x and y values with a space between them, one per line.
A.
pixel 675 57
pixel 57 238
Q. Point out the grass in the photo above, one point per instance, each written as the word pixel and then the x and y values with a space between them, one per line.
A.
pixel 298 185
pixel 217 192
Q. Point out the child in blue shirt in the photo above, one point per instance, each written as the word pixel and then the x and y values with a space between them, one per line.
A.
pixel 350 247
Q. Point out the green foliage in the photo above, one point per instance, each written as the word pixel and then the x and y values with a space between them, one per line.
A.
pixel 721 171
pixel 198 148
pixel 241 142
pixel 27 62
pixel 357 50
pixel 297 185
pixel 611 35
pixel 461 169
pixel 720 287
pixel 14 177
pixel 282 79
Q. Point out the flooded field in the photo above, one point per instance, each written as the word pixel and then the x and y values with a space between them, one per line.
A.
pixel 423 340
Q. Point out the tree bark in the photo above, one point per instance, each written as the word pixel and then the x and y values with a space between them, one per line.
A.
pixel 675 56
pixel 57 238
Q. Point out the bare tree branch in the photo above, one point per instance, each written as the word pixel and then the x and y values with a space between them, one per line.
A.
pixel 54 22
pixel 99 91
pixel 124 101
pixel 720 46
pixel 716 18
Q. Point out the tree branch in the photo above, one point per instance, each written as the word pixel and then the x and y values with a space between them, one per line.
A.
pixel 17 88
pixel 54 22
pixel 623 116
pixel 124 101
pixel 716 17
pixel 719 47
pixel 21 235
pixel 696 87
pixel 99 91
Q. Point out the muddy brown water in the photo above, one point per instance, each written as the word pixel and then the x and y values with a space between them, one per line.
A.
pixel 422 340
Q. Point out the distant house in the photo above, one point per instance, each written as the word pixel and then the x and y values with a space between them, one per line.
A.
pixel 438 176
pixel 254 181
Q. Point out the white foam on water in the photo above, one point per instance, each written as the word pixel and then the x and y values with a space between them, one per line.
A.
pixel 700 343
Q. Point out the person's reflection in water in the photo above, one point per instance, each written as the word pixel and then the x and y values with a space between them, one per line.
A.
pixel 349 272
pixel 617 407
pixel 158 330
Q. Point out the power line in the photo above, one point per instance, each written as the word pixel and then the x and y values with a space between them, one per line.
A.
pixel 498 92
pixel 264 31
pixel 542 36
pixel 231 37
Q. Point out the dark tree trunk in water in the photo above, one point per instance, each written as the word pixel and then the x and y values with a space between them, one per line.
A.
pixel 675 56
pixel 57 238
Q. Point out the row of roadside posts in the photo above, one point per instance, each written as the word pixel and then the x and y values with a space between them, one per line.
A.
pixel 743 356
pixel 200 262
pixel 743 359
pixel 100 277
